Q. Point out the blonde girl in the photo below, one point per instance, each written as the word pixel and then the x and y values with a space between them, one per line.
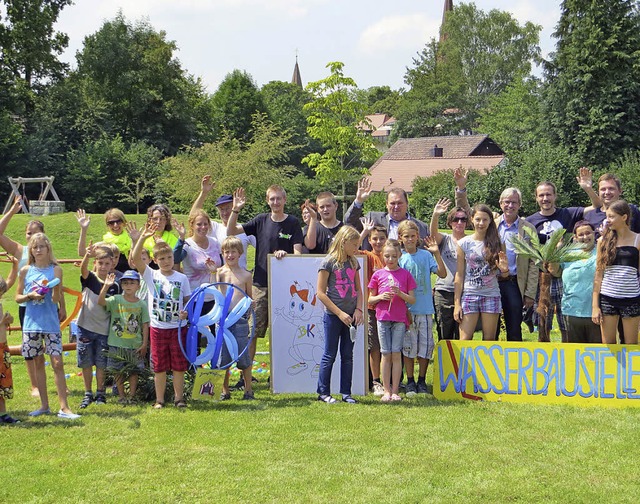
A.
pixel 41 327
pixel 340 292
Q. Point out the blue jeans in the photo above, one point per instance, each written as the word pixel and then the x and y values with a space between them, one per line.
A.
pixel 336 334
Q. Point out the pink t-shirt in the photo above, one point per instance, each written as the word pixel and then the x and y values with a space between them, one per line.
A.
pixel 382 280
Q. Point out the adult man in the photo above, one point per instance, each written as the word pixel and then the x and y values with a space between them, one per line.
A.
pixel 276 233
pixel 517 288
pixel 609 190
pixel 318 235
pixel 546 221
pixel 397 211
pixel 218 230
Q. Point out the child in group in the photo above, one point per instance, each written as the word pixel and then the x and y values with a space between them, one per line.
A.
pixel 117 235
pixel 93 323
pixel 234 274
pixel 168 291
pixel 480 259
pixel 390 289
pixel 340 292
pixel 41 327
pixel 128 329
pixel 6 380
pixel 418 339
pixel 616 288
pixel 377 238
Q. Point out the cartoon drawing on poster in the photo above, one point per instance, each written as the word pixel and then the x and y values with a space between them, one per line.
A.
pixel 304 313
pixel 297 331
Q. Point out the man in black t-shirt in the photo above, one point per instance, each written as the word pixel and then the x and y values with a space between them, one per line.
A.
pixel 318 235
pixel 276 233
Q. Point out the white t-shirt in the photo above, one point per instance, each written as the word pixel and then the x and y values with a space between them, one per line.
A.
pixel 219 231
pixel 165 297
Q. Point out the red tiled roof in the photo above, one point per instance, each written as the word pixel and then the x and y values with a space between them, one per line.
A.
pixel 422 148
pixel 388 173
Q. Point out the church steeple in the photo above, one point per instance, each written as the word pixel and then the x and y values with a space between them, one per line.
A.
pixel 296 79
pixel 448 7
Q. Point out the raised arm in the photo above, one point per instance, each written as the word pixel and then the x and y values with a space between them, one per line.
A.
pixel 84 265
pixel 13 274
pixel 460 175
pixel 367 226
pixel 84 220
pixel 585 181
pixel 108 282
pixel 310 240
pixel 12 247
pixel 353 214
pixel 239 201
pixel 206 186
pixel 441 207
pixel 458 284
pixel 432 246
pixel 148 231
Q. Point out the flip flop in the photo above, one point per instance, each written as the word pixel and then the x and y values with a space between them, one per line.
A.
pixel 396 398
pixel 385 398
pixel 158 405
pixel 39 412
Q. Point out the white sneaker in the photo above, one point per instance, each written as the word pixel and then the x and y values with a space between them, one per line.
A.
pixel 68 416
pixel 378 389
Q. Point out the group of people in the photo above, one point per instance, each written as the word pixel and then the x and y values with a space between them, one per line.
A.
pixel 135 294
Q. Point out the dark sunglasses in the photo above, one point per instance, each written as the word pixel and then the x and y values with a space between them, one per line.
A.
pixel 459 219
pixel 114 222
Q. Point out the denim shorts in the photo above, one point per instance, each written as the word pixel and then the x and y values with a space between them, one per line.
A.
pixel 391 335
pixel 92 349
pixel 240 331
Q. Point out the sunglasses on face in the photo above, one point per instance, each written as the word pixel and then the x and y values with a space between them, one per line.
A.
pixel 459 219
pixel 114 222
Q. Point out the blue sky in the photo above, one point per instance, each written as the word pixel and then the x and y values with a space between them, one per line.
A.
pixel 375 39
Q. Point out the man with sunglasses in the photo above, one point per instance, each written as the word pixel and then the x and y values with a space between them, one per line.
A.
pixel 397 211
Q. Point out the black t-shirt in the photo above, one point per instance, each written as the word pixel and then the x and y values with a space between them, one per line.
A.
pixel 271 236
pixel 324 237
pixel 561 218
pixel 597 217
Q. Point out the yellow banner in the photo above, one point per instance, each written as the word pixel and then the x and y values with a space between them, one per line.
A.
pixel 542 373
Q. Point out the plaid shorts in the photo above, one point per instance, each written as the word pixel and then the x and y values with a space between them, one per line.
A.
pixel 472 303
pixel 166 354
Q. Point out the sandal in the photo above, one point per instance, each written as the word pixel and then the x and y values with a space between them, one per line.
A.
pixel 327 399
pixel 158 405
pixel 385 398
pixel 396 397
pixel 180 403
pixel 348 399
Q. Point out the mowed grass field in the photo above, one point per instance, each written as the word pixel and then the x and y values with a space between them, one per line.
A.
pixel 291 448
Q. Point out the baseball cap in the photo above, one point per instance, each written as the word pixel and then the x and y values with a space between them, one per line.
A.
pixel 225 198
pixel 130 275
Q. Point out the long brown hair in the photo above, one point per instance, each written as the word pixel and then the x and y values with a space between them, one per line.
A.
pixel 609 241
pixel 492 245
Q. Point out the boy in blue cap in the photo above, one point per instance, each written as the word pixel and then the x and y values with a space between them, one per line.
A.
pixel 128 330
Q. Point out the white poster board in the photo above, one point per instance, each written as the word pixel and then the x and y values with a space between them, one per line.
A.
pixel 297 332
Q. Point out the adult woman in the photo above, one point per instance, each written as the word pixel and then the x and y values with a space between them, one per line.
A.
pixel 444 288
pixel 480 259
pixel 616 289
pixel 577 282
pixel 160 215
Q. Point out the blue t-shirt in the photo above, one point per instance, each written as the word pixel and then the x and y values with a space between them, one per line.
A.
pixel 420 265
pixel 577 280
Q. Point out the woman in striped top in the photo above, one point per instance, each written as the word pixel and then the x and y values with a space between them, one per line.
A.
pixel 616 290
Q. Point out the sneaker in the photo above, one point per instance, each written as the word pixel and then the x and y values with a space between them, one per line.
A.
pixel 239 385
pixel 411 389
pixel 68 416
pixel 101 398
pixel 327 399
pixel 225 397
pixel 378 389
pixel 86 400
pixel 422 387
pixel 6 419
pixel 248 396
pixel 39 412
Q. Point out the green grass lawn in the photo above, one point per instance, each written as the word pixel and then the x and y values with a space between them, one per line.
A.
pixel 291 448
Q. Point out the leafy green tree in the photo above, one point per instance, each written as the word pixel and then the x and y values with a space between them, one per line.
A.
pixel 593 93
pixel 96 174
pixel 254 165
pixel 284 103
pixel 29 46
pixel 452 80
pixel 234 104
pixel 130 69
pixel 335 120
pixel 513 118
pixel 379 100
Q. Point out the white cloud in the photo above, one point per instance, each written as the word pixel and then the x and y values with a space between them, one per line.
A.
pixel 409 31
